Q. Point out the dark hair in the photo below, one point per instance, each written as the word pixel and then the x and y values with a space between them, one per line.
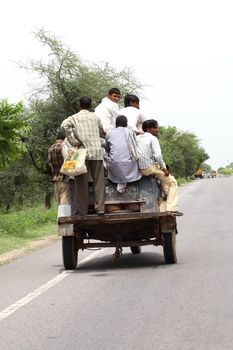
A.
pixel 121 120
pixel 114 91
pixel 130 98
pixel 85 102
pixel 148 124
pixel 61 135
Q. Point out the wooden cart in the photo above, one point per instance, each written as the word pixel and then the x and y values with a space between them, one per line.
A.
pixel 131 219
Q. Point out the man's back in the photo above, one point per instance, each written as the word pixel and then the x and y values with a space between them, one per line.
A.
pixel 122 167
pixel 134 117
pixel 86 128
pixel 117 145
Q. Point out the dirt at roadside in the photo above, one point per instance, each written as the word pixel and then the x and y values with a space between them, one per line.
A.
pixel 17 253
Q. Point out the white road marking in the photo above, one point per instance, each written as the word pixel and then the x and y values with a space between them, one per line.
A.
pixel 42 289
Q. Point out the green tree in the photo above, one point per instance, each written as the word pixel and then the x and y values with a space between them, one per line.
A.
pixel 13 129
pixel 21 184
pixel 181 151
pixel 206 167
pixel 225 171
pixel 62 80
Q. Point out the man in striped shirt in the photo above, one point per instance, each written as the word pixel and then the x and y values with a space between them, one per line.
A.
pixel 83 130
pixel 151 163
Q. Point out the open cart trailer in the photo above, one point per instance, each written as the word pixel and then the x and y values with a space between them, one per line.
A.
pixel 131 219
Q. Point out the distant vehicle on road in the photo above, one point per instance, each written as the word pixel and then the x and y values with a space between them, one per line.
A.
pixel 213 173
pixel 199 174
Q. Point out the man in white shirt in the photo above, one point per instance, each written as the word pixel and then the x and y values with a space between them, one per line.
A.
pixel 151 163
pixel 132 112
pixel 108 109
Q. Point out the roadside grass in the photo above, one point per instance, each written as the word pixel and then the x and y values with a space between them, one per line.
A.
pixel 183 181
pixel 19 228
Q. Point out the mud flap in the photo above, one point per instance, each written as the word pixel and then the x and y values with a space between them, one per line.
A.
pixel 67 229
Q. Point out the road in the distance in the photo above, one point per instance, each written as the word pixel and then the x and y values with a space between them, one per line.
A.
pixel 137 303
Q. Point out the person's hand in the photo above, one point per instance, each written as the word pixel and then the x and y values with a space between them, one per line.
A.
pixel 166 172
pixel 77 144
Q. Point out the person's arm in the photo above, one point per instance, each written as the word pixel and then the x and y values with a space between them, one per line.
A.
pixel 67 127
pixel 156 151
pixel 114 112
pixel 107 144
pixel 101 129
pixel 132 143
pixel 65 149
pixel 142 117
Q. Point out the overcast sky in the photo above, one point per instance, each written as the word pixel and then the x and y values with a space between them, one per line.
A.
pixel 181 49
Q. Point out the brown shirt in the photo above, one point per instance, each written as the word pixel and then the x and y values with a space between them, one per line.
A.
pixel 55 159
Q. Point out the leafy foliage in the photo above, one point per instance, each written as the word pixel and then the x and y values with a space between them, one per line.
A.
pixel 225 171
pixel 13 129
pixel 63 79
pixel 21 184
pixel 206 168
pixel 181 151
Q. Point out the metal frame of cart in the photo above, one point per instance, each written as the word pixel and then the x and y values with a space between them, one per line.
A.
pixel 131 219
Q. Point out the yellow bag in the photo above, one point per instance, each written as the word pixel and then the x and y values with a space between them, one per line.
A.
pixel 74 164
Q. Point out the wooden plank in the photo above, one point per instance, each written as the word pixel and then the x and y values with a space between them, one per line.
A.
pixel 95 219
pixel 113 217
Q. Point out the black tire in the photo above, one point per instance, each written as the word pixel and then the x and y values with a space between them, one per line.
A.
pixel 69 252
pixel 169 248
pixel 136 250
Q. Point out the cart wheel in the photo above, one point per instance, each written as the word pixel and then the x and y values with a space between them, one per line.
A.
pixel 169 247
pixel 69 252
pixel 136 250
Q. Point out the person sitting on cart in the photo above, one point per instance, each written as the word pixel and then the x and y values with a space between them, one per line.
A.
pixel 151 163
pixel 121 155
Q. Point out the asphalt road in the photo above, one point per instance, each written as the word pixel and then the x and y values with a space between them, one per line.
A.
pixel 137 303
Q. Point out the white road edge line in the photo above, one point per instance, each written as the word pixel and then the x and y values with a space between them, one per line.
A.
pixel 42 289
